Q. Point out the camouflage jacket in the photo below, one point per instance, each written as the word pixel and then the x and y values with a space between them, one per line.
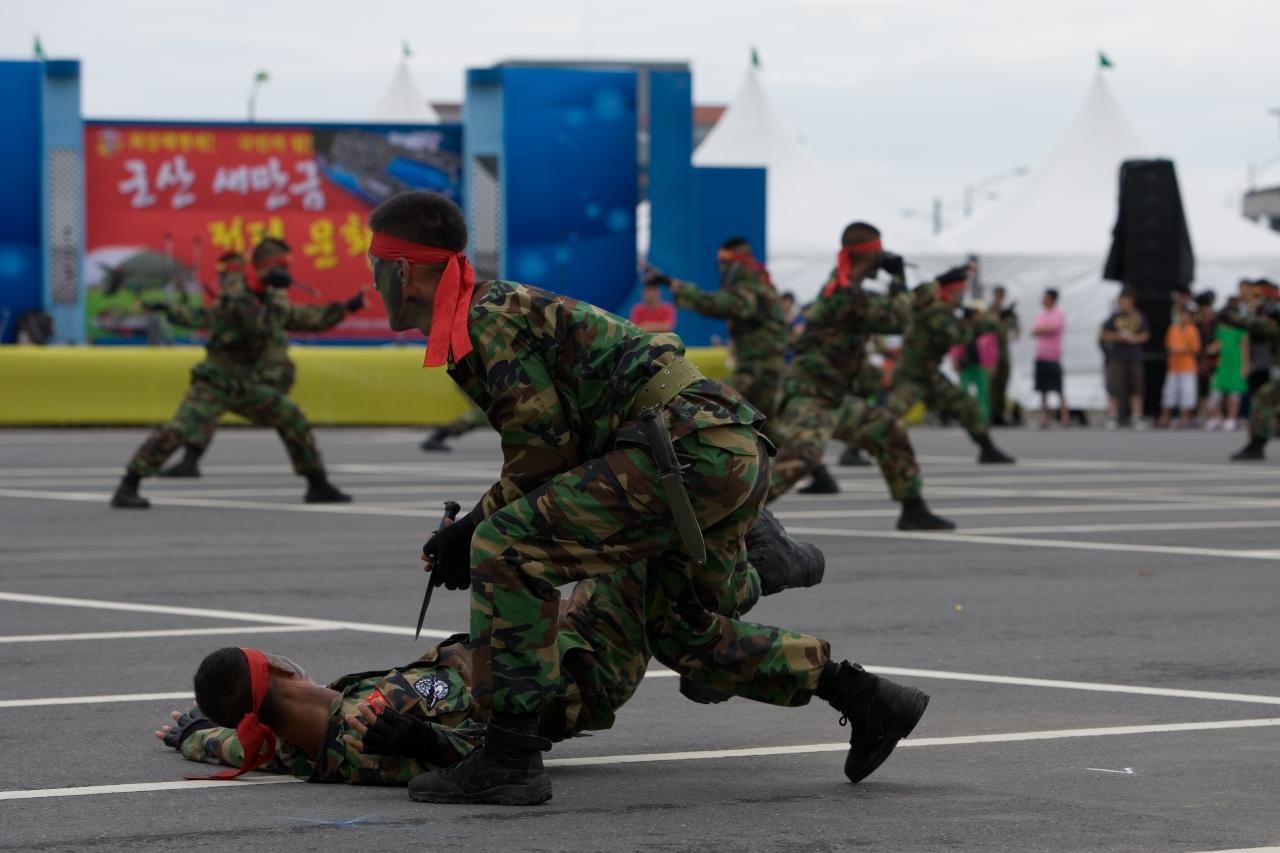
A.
pixel 557 378
pixel 933 330
pixel 603 655
pixel 274 366
pixel 241 325
pixel 747 301
pixel 830 352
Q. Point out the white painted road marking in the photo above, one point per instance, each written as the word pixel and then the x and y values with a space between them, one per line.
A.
pixel 105 699
pixel 698 755
pixel 164 632
pixel 1128 771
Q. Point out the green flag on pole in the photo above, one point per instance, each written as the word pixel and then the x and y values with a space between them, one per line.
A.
pixel 262 76
pixel 1103 61
pixel 405 49
pixel 37 48
pixel 755 57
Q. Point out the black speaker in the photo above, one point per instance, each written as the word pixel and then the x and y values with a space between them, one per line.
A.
pixel 1150 246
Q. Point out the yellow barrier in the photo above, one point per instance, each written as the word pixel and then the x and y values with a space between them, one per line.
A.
pixel 68 386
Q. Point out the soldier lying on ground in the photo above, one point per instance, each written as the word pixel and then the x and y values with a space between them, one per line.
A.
pixel 385 727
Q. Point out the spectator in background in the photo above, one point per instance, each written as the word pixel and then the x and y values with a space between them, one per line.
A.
pixel 1182 346
pixel 975 362
pixel 1123 336
pixel 1231 348
pixel 1009 331
pixel 1048 329
pixel 795 317
pixel 651 313
pixel 1207 324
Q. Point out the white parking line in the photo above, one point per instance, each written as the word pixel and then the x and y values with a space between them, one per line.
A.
pixel 169 632
pixel 1068 544
pixel 964 740
pixel 700 755
pixel 102 699
pixel 1224 524
pixel 1018 509
pixel 232 615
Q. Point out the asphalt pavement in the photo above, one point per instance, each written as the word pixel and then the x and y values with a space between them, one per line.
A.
pixel 1100 640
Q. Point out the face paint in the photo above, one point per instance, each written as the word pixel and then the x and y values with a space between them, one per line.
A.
pixel 386 280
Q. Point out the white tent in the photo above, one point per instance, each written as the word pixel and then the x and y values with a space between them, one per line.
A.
pixel 809 203
pixel 1054 230
pixel 402 102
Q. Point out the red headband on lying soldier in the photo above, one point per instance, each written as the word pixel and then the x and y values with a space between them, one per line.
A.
pixel 453 297
pixel 257 741
pixel 844 260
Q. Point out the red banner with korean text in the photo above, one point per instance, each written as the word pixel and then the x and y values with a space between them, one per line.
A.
pixel 163 202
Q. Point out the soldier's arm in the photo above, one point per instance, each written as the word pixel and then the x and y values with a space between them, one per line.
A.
pixel 314 318
pixel 738 301
pixel 885 315
pixel 1258 326
pixel 352 764
pixel 185 314
pixel 537 441
pixel 221 746
pixel 945 326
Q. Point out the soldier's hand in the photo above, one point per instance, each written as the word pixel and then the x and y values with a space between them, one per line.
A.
pixel 893 264
pixel 185 725
pixel 389 732
pixel 356 302
pixel 448 554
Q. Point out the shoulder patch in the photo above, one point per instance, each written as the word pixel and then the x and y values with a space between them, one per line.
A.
pixel 433 688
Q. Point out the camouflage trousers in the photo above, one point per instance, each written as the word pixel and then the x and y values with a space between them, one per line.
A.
pixel 604 516
pixel 939 395
pixel 274 371
pixel 475 418
pixel 197 418
pixel 760 382
pixel 808 423
pixel 604 648
pixel 1262 417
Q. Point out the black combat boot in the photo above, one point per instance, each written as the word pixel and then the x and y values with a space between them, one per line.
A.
pixel 435 441
pixel 992 455
pixel 321 491
pixel 852 457
pixel 188 466
pixel 878 711
pixel 1254 451
pixel 916 516
pixel 822 483
pixel 506 771
pixel 782 562
pixel 126 496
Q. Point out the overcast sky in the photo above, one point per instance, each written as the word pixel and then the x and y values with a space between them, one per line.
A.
pixel 915 97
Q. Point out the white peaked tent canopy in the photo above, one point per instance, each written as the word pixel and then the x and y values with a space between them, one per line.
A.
pixel 1054 230
pixel 402 102
pixel 809 203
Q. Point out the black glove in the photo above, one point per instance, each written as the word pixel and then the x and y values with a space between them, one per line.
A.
pixel 893 265
pixel 653 275
pixel 450 551
pixel 155 306
pixel 897 287
pixel 395 734
pixel 188 724
pixel 355 303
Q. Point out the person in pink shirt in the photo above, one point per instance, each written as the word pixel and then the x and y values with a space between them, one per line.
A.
pixel 651 314
pixel 1048 330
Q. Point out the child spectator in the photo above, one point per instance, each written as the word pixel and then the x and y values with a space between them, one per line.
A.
pixel 1231 346
pixel 1182 346
pixel 652 314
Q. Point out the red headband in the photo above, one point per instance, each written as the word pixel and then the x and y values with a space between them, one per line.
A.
pixel 453 297
pixel 230 266
pixel 844 260
pixel 746 259
pixel 273 261
pixel 257 741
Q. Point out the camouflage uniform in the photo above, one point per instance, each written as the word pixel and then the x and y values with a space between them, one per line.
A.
pixel 1000 378
pixel 579 497
pixel 757 328
pixel 241 326
pixel 933 330
pixel 275 368
pixel 1265 401
pixel 603 654
pixel 830 355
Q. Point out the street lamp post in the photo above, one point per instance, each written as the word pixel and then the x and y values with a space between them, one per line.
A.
pixel 258 79
pixel 971 190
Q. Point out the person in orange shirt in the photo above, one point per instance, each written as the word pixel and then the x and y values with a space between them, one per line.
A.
pixel 1182 345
